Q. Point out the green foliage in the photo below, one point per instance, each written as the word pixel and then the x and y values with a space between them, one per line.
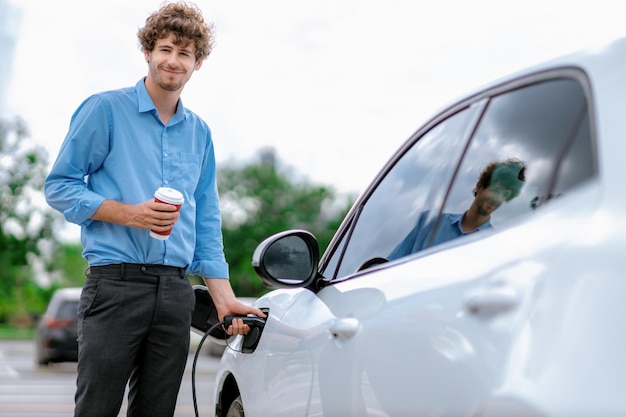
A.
pixel 71 265
pixel 26 238
pixel 259 200
pixel 22 173
pixel 8 332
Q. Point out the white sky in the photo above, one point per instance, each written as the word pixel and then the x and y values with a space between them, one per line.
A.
pixel 334 85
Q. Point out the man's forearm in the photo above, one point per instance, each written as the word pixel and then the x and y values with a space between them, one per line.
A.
pixel 112 211
pixel 221 291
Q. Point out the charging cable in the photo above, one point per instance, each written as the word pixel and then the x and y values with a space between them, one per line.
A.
pixel 193 368
pixel 250 321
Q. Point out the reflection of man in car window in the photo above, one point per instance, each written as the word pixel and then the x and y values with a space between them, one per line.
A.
pixel 498 182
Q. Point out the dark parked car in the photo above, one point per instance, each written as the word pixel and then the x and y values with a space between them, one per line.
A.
pixel 55 336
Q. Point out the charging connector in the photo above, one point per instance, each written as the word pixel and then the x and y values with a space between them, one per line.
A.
pixel 256 324
pixel 251 321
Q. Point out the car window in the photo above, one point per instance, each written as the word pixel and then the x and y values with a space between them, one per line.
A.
pixel 415 186
pixel 544 127
pixel 579 163
pixel 67 310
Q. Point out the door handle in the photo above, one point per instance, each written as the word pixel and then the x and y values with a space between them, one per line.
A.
pixel 493 301
pixel 344 329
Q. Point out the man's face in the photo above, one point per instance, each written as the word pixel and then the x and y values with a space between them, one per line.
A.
pixel 171 66
pixel 490 198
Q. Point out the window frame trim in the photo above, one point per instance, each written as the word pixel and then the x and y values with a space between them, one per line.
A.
pixel 482 98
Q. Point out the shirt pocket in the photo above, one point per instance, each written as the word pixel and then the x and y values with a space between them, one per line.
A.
pixel 190 170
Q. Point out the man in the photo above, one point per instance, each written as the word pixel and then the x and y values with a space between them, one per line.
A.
pixel 135 308
pixel 497 183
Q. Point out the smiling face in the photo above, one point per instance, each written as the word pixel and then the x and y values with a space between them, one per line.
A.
pixel 171 65
pixel 498 182
pixel 488 199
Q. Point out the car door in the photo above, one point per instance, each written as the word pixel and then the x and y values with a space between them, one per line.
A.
pixel 431 332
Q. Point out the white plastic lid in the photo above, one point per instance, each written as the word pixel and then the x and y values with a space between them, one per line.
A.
pixel 169 195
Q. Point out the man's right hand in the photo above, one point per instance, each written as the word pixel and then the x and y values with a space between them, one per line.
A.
pixel 159 217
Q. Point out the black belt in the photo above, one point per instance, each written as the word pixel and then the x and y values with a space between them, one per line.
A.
pixel 147 269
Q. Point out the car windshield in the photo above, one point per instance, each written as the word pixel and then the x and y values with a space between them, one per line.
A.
pixel 68 310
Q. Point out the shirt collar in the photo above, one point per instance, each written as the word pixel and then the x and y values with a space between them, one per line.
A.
pixel 145 103
pixel 457 218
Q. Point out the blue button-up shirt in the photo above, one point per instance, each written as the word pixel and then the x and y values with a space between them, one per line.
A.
pixel 449 228
pixel 117 148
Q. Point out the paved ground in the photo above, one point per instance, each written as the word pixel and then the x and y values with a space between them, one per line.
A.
pixel 27 390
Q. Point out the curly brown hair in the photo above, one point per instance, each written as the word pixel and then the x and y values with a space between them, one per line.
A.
pixel 514 175
pixel 185 20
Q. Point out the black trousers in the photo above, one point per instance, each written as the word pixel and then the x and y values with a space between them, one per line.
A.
pixel 133 328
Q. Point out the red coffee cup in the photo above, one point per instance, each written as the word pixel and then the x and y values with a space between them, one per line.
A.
pixel 169 196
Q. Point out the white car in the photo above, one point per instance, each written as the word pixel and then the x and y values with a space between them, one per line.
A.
pixel 522 317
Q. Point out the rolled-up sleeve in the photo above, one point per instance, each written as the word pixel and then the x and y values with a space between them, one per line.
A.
pixel 208 260
pixel 82 152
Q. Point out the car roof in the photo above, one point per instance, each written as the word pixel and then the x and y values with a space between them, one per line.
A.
pixel 72 293
pixel 592 60
pixel 603 65
pixel 61 296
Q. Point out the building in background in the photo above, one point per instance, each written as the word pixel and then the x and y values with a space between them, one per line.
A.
pixel 10 18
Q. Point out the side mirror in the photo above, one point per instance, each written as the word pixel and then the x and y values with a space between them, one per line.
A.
pixel 287 259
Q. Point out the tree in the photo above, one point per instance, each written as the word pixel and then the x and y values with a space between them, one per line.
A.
pixel 26 239
pixel 69 264
pixel 260 199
